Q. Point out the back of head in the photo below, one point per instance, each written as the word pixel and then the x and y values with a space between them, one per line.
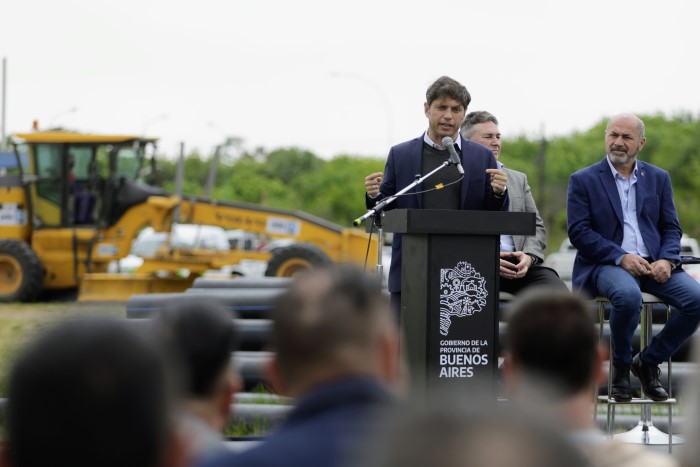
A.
pixel 457 437
pixel 330 320
pixel 475 118
pixel 552 341
pixel 88 392
pixel 199 335
pixel 448 87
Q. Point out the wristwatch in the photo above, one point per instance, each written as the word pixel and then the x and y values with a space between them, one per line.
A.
pixel 535 259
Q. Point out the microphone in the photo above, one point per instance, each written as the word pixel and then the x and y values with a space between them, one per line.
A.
pixel 449 143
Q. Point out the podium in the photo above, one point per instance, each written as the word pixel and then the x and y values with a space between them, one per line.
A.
pixel 449 295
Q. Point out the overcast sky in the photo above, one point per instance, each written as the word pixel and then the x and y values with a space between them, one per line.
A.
pixel 340 77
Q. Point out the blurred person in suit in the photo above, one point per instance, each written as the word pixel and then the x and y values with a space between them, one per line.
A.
pixel 552 365
pixel 464 434
pixel 91 392
pixel 336 354
pixel 199 337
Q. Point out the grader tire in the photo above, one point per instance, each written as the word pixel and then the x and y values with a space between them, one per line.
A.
pixel 21 273
pixel 292 259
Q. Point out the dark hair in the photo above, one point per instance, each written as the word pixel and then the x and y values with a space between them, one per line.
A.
pixel 87 392
pixel 199 336
pixel 325 310
pixel 448 87
pixel 551 337
pixel 475 118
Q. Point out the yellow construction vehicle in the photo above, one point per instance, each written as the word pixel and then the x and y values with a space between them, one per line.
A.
pixel 72 203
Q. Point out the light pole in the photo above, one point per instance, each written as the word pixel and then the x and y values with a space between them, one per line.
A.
pixel 151 121
pixel 4 104
pixel 388 114
pixel 61 114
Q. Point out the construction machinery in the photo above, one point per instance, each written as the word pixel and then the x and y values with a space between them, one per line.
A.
pixel 72 203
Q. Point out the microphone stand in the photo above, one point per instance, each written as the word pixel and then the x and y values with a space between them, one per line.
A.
pixel 377 213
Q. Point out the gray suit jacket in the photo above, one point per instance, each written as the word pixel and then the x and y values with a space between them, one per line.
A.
pixel 521 200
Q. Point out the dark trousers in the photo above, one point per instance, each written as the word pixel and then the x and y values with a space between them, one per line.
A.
pixel 539 276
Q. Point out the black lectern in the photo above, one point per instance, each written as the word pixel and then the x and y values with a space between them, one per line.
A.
pixel 449 294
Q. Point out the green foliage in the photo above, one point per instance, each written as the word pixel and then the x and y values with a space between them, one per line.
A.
pixel 673 143
pixel 297 179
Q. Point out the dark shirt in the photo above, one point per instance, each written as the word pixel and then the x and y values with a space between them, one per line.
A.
pixel 326 428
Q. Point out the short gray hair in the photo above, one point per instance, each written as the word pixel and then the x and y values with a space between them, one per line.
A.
pixel 474 118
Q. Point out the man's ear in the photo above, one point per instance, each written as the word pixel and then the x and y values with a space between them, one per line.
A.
pixel 391 369
pixel 227 397
pixel 177 450
pixel 4 458
pixel 274 377
pixel 426 108
pixel 509 371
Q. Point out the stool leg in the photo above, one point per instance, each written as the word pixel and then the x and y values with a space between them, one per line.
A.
pixel 645 432
pixel 670 394
pixel 601 321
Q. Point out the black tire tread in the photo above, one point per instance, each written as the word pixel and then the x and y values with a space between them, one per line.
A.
pixel 32 271
pixel 310 253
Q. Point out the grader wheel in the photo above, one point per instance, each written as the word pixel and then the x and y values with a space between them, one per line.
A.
pixel 21 273
pixel 290 260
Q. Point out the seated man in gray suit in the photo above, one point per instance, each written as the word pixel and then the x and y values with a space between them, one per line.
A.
pixel 521 255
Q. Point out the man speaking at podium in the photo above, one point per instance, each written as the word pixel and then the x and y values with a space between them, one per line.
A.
pixel 481 187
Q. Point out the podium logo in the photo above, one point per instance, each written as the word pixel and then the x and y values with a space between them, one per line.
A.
pixel 462 293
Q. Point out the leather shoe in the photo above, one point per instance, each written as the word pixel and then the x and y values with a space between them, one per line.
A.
pixel 649 377
pixel 620 385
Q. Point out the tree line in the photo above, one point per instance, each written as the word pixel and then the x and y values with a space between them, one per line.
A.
pixel 297 179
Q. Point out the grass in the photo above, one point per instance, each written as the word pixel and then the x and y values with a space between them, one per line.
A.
pixel 19 322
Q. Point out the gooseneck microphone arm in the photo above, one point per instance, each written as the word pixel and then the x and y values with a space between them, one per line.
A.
pixel 377 211
pixel 390 199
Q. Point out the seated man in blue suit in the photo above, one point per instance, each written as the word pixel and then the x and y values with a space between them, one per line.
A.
pixel 623 222
pixel 482 188
pixel 521 255
pixel 337 354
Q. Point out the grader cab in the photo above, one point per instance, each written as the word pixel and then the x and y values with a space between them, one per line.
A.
pixel 71 203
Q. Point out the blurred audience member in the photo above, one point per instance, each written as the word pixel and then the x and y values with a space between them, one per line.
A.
pixel 90 392
pixel 336 353
pixel 553 364
pixel 199 337
pixel 691 450
pixel 453 437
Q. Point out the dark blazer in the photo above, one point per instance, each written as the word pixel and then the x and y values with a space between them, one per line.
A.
pixel 595 222
pixel 327 427
pixel 406 160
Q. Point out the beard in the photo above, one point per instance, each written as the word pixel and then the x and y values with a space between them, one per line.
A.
pixel 618 157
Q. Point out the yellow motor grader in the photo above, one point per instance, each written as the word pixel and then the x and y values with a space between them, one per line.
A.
pixel 71 203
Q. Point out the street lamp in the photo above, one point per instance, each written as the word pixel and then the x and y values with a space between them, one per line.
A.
pixel 388 114
pixel 151 121
pixel 61 114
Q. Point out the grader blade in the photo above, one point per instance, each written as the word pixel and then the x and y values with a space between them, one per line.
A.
pixel 115 287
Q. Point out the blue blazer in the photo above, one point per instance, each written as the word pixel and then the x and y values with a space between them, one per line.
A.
pixel 326 428
pixel 406 160
pixel 595 222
